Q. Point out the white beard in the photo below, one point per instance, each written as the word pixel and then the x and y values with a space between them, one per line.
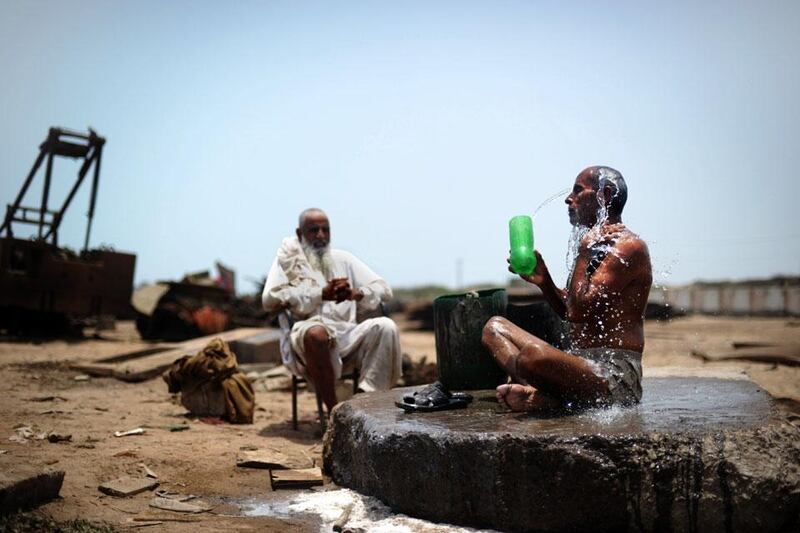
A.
pixel 319 258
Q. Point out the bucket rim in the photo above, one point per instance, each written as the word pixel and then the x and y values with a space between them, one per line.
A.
pixel 481 294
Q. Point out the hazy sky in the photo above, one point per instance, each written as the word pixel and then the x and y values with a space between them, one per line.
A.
pixel 420 127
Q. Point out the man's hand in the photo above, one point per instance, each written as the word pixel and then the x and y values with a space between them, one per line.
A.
pixel 539 274
pixel 356 295
pixel 599 242
pixel 337 289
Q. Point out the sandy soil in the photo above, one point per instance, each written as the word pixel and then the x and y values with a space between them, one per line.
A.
pixel 201 460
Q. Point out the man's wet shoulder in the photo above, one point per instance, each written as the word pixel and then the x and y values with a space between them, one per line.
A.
pixel 632 244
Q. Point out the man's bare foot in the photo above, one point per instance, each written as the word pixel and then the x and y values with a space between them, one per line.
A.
pixel 525 398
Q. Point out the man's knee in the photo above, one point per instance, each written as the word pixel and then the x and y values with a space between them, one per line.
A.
pixel 532 356
pixel 384 325
pixel 316 338
pixel 494 328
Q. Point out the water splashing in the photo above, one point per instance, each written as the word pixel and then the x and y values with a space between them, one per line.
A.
pixel 575 237
pixel 599 244
pixel 549 199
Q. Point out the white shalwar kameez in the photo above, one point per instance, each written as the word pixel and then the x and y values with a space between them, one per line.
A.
pixel 372 346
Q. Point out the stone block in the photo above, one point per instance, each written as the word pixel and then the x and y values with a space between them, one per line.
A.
pixel 698 454
pixel 25 487
pixel 127 486
pixel 263 347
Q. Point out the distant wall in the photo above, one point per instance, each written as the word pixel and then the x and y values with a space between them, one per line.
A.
pixel 774 297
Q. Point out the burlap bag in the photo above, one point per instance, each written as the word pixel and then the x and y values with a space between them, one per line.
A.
pixel 211 384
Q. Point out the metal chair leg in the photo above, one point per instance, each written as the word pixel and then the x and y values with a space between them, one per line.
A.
pixel 323 420
pixel 294 402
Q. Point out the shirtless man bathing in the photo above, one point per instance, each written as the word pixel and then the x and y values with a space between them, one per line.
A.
pixel 604 303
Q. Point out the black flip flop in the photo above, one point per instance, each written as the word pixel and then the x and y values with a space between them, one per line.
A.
pixel 433 397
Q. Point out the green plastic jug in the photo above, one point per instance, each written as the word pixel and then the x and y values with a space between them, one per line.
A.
pixel 520 232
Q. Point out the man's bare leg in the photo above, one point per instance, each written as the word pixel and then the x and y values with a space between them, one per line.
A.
pixel 505 340
pixel 539 369
pixel 318 362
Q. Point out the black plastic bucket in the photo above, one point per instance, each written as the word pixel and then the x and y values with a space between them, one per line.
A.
pixel 540 320
pixel 463 362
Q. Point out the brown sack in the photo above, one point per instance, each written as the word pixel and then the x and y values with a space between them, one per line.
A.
pixel 211 384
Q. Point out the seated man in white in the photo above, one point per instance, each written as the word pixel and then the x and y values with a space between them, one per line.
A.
pixel 323 288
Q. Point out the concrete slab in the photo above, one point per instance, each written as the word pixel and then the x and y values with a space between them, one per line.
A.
pixel 260 348
pixel 703 453
pixel 24 487
pixel 127 486
pixel 269 460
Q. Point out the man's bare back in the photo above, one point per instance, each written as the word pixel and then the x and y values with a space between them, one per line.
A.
pixel 604 304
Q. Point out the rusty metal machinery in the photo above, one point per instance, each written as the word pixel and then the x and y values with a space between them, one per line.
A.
pixel 42 284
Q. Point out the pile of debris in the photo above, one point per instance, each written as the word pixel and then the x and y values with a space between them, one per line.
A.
pixel 197 305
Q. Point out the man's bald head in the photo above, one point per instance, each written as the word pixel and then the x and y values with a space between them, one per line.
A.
pixel 310 211
pixel 596 187
pixel 313 228
pixel 610 182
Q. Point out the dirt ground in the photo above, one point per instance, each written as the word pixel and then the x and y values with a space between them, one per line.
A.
pixel 201 460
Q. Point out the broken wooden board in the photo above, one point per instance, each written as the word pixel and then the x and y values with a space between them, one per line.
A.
pixel 269 460
pixel 738 345
pixel 103 370
pixel 295 479
pixel 169 504
pixel 785 355
pixel 150 363
pixel 127 486
pixel 105 366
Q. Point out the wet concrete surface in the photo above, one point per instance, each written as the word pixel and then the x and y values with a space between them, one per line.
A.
pixel 698 454
pixel 668 404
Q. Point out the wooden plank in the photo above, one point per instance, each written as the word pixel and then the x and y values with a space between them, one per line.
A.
pixel 142 364
pixel 135 354
pixel 738 345
pixel 199 343
pixel 154 365
pixel 785 355
pixel 143 350
pixel 178 506
pixel 149 367
pixel 106 365
pixel 95 369
pixel 295 479
pixel 192 344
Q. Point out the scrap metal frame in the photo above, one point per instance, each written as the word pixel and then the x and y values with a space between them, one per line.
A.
pixel 59 142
